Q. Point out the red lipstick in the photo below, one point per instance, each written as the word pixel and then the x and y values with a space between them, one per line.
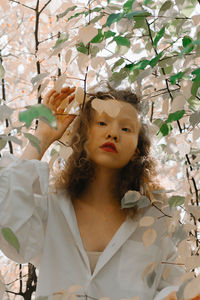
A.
pixel 109 147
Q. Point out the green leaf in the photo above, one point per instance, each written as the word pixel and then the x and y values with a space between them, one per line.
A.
pixel 10 237
pixel 127 7
pixel 98 38
pixel 97 18
pixel 122 41
pixel 72 8
pixel 141 65
pixel 187 43
pixel 174 78
pixel 82 48
pixel 119 76
pixel 63 38
pixel 196 72
pixel 158 122
pixel 109 34
pixel 77 15
pixel 166 6
pixel 146 2
pixel 37 111
pixel 3 143
pixel 165 129
pixel 117 64
pixel 176 201
pixel 113 18
pixel 159 35
pixel 155 60
pixel 2 72
pixel 137 13
pixel 34 141
pixel 195 85
pixel 140 22
pixel 175 116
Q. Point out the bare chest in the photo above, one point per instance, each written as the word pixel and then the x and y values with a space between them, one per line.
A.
pixel 97 228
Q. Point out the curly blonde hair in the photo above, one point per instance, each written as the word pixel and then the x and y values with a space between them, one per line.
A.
pixel 79 169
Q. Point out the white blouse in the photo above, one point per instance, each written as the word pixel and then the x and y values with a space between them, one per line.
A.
pixel 46 227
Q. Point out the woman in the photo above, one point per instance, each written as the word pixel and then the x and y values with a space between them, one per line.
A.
pixel 80 234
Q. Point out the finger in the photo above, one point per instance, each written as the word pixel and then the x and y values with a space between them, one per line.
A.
pixel 67 89
pixel 60 97
pixel 48 95
pixel 71 98
pixel 53 97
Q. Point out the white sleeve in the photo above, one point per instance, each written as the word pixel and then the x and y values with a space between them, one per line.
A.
pixel 23 205
pixel 172 281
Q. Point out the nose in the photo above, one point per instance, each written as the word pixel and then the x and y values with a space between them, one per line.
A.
pixel 112 134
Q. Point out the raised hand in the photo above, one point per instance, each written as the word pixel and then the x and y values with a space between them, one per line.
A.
pixel 54 101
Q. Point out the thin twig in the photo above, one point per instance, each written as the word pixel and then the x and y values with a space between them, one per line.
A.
pixel 29 7
pixel 44 6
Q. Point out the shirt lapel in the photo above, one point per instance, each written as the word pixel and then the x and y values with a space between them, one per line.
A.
pixel 120 237
pixel 68 210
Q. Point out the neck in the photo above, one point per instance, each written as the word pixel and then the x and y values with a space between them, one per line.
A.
pixel 100 189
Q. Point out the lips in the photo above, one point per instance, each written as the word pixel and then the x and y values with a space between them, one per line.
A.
pixel 109 147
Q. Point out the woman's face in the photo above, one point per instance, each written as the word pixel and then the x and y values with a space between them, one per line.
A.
pixel 112 141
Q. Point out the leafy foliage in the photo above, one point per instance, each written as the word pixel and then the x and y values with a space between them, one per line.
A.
pixel 38 111
pixel 152 46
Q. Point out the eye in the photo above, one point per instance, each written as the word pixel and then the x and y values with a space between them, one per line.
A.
pixel 126 129
pixel 101 123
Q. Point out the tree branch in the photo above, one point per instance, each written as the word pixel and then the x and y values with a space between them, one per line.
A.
pixel 44 6
pixel 29 7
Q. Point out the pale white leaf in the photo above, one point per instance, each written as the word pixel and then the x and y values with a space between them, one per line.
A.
pixel 192 289
pixel 149 237
pixel 86 34
pixel 43 87
pixel 58 84
pixel 184 148
pixel 110 107
pixel 123 25
pixel 55 5
pixel 83 61
pixel 68 56
pixel 184 250
pixel 37 79
pixel 192 262
pixel 165 106
pixel 79 95
pixel 178 103
pixel 196 19
pixel 186 88
pixel 97 62
pixel 196 134
pixel 146 221
pixel 73 108
pixel 5 112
